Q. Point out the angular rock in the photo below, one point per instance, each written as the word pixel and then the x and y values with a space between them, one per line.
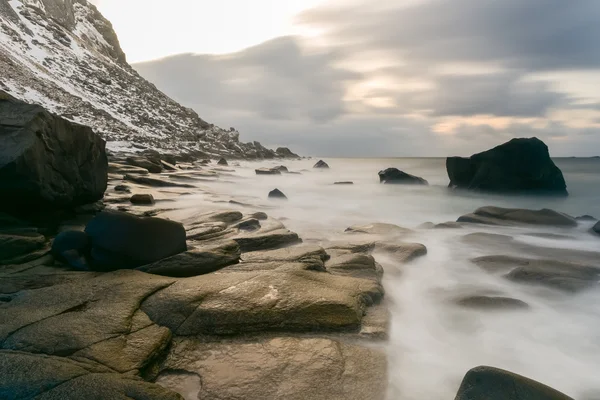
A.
pixel 518 166
pixel 491 303
pixel 244 302
pixel 168 166
pixel 394 175
pixel 281 168
pixel 277 194
pixel 290 368
pixel 496 384
pixel 121 240
pixel 116 168
pixel 196 261
pixel 28 376
pixel 142 162
pixel 303 257
pixel 515 217
pixel 222 161
pixel 356 265
pixel 123 189
pixel 321 164
pixel 146 199
pixel 596 228
pixel 73 247
pixel 267 171
pixel 47 161
pixel 15 248
pixel 402 252
pixel 267 240
pixel 155 182
pixel 286 153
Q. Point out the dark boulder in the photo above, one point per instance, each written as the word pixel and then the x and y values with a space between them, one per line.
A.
pixel 277 194
pixel 394 175
pixel 344 183
pixel 286 153
pixel 142 162
pixel 518 166
pixel 222 161
pixel 47 161
pixel 267 171
pixel 121 240
pixel 321 164
pixel 281 168
pixel 72 247
pixel 491 383
pixel 144 199
pixel 596 228
pixel 123 189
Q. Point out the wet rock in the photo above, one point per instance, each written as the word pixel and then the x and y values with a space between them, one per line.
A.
pixel 47 161
pixel 20 247
pixel 196 261
pixel 596 228
pixel 402 252
pixel 251 224
pixel 356 265
pixel 303 257
pixel 518 166
pixel 267 171
pixel 73 248
pixel 565 276
pixel 222 161
pixel 267 240
pixel 448 225
pixel 344 183
pixel 168 166
pixel 515 217
pixel 394 175
pixel 379 229
pixel 116 168
pixel 121 240
pixel 123 189
pixel 145 199
pixel 496 384
pixel 281 168
pixel 261 216
pixel 260 301
pixel 321 164
pixel 142 162
pixel 491 303
pixel 28 376
pixel 290 368
pixel 277 194
pixel 155 182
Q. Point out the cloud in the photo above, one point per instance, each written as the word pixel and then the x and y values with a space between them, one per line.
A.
pixel 382 78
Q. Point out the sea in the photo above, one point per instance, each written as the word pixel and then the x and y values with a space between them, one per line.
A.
pixel 432 341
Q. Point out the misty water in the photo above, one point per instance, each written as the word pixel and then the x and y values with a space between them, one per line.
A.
pixel 433 342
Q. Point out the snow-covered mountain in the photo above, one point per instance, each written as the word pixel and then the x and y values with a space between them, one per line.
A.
pixel 64 55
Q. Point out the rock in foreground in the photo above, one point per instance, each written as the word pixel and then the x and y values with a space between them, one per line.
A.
pixel 47 161
pixel 489 383
pixel 277 194
pixel 515 216
pixel 518 166
pixel 394 175
pixel 596 228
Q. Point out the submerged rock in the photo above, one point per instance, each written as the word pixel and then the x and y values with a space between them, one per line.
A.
pixel 123 189
pixel 277 194
pixel 491 383
pixel 222 161
pixel 514 216
pixel 518 166
pixel 596 228
pixel 321 164
pixel 378 229
pixel 143 162
pixel 121 240
pixel 394 175
pixel 47 161
pixel 267 171
pixel 344 183
pixel 491 303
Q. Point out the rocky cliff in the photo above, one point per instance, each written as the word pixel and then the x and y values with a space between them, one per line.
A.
pixel 65 56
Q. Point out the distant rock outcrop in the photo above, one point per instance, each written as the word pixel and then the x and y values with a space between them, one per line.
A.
pixel 47 161
pixel 321 164
pixel 394 175
pixel 521 166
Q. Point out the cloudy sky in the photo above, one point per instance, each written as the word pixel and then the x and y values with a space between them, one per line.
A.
pixel 386 78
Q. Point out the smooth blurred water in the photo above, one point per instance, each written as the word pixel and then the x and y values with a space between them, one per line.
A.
pixel 433 342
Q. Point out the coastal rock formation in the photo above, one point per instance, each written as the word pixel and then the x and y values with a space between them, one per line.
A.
pixel 286 153
pixel 65 56
pixel 596 228
pixel 394 175
pixel 146 199
pixel 321 164
pixel 268 171
pixel 514 217
pixel 496 384
pixel 518 166
pixel 47 161
pixel 277 194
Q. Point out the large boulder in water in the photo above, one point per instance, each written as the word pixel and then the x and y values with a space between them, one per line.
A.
pixel 518 166
pixel 121 240
pixel 394 175
pixel 47 161
pixel 496 384
pixel 596 228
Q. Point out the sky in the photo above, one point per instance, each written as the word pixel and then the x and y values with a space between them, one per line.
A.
pixel 391 78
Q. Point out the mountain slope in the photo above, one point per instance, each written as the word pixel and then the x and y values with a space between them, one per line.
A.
pixel 64 55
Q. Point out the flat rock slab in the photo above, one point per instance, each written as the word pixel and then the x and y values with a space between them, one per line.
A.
pixel 155 182
pixel 517 217
pixel 276 368
pixel 240 302
pixel 43 377
pixel 379 229
pixel 356 265
pixel 21 247
pixel 481 302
